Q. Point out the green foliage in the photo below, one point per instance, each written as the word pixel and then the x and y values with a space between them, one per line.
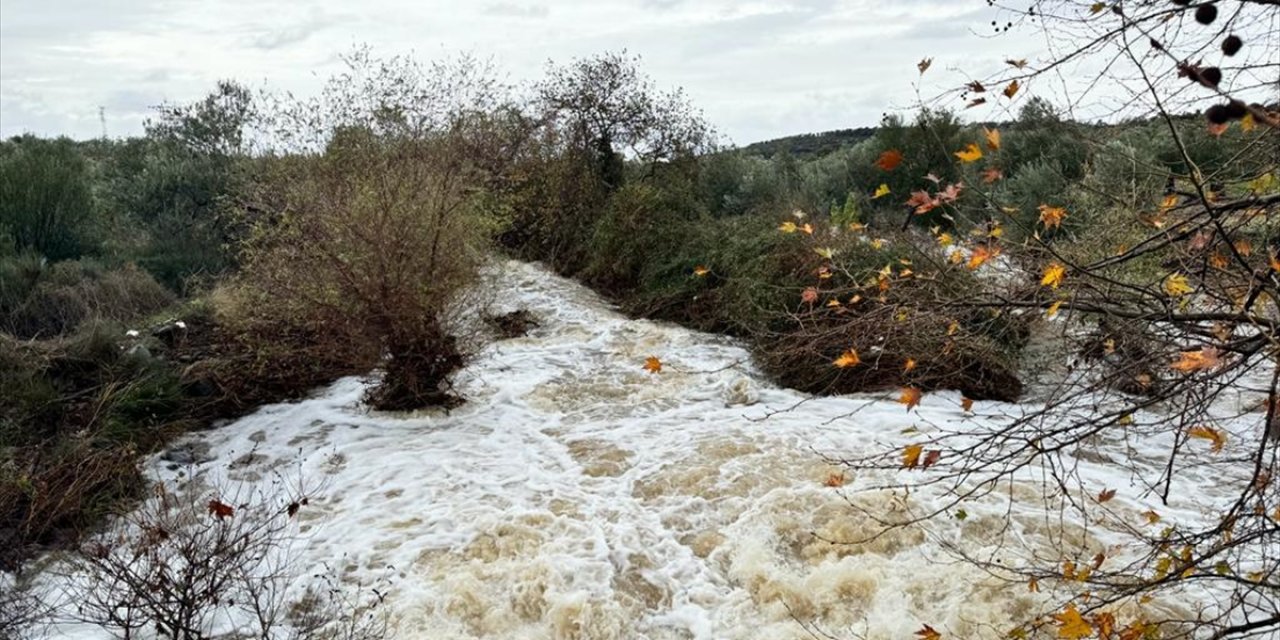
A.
pixel 46 200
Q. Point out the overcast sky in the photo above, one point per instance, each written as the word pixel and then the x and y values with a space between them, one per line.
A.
pixel 758 69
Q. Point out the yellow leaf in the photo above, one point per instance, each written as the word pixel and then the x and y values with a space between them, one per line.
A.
pixel 825 252
pixel 1214 436
pixel 1176 285
pixel 847 359
pixel 1011 89
pixel 833 303
pixel 1051 217
pixel 1201 360
pixel 1262 183
pixel 946 240
pixel 652 364
pixel 910 396
pixel 1069 570
pixel 1053 275
pixel 909 366
pixel 911 456
pixel 807 228
pixel 877 244
pixel 1247 123
pixel 953 328
pixel 1169 202
pixel 970 153
pixel 1151 516
pixel 1071 625
pixel 881 191
pixel 1053 309
pixel 700 271
pixel 787 227
pixel 993 138
pixel 928 633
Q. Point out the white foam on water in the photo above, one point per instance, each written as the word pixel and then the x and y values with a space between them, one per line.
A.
pixel 577 496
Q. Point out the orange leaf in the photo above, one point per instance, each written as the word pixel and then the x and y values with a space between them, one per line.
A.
pixel 889 160
pixel 1051 217
pixel 700 271
pixel 909 365
pixel 834 480
pixel 922 201
pixel 981 254
pixel 911 397
pixel 847 359
pixel 928 633
pixel 220 509
pixel 1203 360
pixel 966 404
pixel 1214 436
pixel 911 456
pixel 993 138
pixel 1011 89
pixel 652 364
pixel 1071 625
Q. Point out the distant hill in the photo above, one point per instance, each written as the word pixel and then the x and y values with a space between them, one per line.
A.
pixel 810 144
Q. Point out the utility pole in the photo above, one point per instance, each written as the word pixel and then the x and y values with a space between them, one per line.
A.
pixel 102 119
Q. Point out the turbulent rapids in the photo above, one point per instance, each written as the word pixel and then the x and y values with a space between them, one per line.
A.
pixel 576 495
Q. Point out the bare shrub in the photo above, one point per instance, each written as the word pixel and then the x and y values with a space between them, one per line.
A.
pixel 203 561
pixel 375 219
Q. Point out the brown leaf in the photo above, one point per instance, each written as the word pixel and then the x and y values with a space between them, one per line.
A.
pixel 220 509
pixel 652 364
pixel 911 397
pixel 1106 495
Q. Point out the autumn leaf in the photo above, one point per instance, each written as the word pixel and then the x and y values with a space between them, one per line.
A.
pixel 1168 203
pixel 1071 625
pixel 1202 359
pixel 975 103
pixel 931 458
pixel 1247 123
pixel 788 227
pixel 1011 89
pixel 970 153
pixel 881 191
pixel 1053 309
pixel 652 364
pixel 911 456
pixel 807 228
pixel 909 365
pixel 220 509
pixel 1106 624
pixel 1216 129
pixel 847 359
pixel 1106 495
pixel 945 239
pixel 976 87
pixel 966 404
pixel 923 65
pixel 991 175
pixel 1215 437
pixel 1097 7
pixel 889 160
pixel 910 396
pixel 1053 275
pixel 993 138
pixel 1051 217
pixel 981 255
pixel 825 252
pixel 700 271
pixel 1176 285
pixel 1019 64
pixel 1151 516
pixel 951 193
pixel 834 480
pixel 922 201
pixel 928 633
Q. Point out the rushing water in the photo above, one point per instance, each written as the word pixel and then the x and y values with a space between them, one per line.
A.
pixel 576 495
